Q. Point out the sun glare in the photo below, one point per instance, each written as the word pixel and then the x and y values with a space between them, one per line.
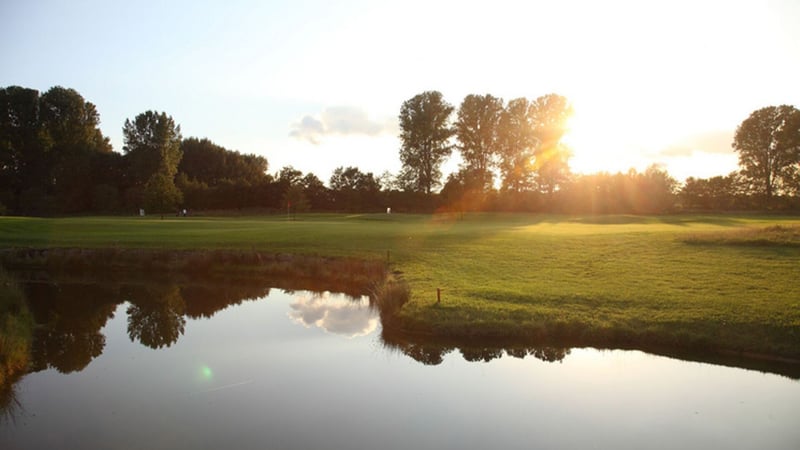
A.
pixel 612 141
pixel 594 147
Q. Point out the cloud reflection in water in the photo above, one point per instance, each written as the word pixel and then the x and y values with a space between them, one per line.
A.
pixel 335 314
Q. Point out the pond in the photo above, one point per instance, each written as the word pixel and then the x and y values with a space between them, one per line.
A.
pixel 143 364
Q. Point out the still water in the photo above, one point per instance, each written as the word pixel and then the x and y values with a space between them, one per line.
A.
pixel 126 366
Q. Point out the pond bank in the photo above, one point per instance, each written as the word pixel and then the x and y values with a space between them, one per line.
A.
pixel 353 276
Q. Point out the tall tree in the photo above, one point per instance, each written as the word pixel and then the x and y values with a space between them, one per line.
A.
pixel 477 131
pixel 72 127
pixel 549 115
pixel 153 150
pixel 768 143
pixel 425 133
pixel 23 148
pixel 152 144
pixel 516 146
pixel 49 148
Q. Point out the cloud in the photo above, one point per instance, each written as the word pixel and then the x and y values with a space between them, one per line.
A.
pixel 339 120
pixel 309 129
pixel 336 315
pixel 714 142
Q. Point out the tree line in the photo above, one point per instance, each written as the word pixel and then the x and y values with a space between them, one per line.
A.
pixel 55 160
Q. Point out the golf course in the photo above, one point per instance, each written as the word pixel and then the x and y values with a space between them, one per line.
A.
pixel 719 283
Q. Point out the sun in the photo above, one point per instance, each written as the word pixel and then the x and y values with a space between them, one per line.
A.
pixel 608 140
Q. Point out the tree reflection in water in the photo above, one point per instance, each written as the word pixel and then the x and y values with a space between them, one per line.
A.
pixel 431 350
pixel 71 314
pixel 156 315
pixel 69 319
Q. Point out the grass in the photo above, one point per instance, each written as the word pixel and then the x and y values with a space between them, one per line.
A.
pixel 694 282
pixel 16 331
pixel 774 236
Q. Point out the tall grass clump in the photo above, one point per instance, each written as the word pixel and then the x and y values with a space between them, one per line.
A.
pixel 389 296
pixel 772 236
pixel 16 331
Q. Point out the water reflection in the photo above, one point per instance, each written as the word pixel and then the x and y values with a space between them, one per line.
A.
pixel 71 312
pixel 350 318
pixel 69 318
pixel 253 372
pixel 156 315
pixel 432 351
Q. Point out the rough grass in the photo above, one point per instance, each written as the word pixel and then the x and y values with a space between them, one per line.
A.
pixel 776 235
pixel 16 331
pixel 613 279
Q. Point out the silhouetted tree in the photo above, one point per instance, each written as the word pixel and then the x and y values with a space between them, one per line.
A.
pixel 209 163
pixel 639 193
pixel 49 146
pixel 71 125
pixel 354 190
pixel 424 132
pixel 768 143
pixel 477 132
pixel 720 193
pixel 549 115
pixel 315 191
pixel 464 191
pixel 516 146
pixel 23 147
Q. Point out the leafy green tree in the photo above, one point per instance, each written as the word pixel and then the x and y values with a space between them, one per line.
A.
pixel 152 144
pixel 768 143
pixel 160 193
pixel 516 146
pixel 425 133
pixel 152 152
pixel 477 130
pixel 549 115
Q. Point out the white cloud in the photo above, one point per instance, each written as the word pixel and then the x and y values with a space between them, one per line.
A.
pixel 309 129
pixel 336 315
pixel 340 120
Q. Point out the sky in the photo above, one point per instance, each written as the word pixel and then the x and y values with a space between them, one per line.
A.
pixel 319 84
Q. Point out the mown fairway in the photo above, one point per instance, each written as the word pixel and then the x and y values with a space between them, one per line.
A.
pixel 520 275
